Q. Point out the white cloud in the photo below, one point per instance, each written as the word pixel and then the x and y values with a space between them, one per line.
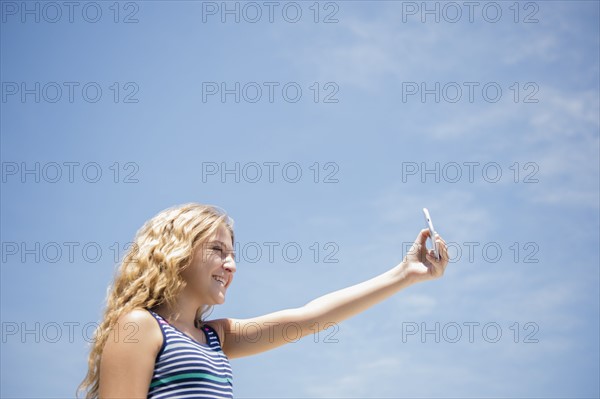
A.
pixel 365 52
pixel 417 304
pixel 558 136
pixel 363 380
pixel 456 207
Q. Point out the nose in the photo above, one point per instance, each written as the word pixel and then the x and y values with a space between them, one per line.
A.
pixel 229 264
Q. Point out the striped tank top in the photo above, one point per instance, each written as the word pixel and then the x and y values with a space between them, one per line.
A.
pixel 185 368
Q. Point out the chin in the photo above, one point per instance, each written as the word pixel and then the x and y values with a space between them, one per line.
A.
pixel 219 300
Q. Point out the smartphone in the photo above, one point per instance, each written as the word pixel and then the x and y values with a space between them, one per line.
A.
pixel 432 232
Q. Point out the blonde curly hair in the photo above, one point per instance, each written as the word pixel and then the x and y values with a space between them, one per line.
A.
pixel 150 273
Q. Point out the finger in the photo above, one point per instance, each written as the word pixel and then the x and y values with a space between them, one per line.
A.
pixel 422 237
pixel 444 251
pixel 439 238
pixel 440 241
pixel 429 257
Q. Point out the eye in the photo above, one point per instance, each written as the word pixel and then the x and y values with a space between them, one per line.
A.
pixel 223 252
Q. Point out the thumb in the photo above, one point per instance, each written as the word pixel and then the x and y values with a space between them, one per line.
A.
pixel 422 237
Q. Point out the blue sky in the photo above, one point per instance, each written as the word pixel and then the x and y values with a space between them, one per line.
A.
pixel 509 171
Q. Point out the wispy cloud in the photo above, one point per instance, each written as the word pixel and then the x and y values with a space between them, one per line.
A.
pixel 456 207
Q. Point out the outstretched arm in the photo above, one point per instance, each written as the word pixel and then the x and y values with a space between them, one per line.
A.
pixel 245 337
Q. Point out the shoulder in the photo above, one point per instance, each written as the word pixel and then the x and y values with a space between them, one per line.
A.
pixel 129 354
pixel 140 316
pixel 137 326
pixel 141 319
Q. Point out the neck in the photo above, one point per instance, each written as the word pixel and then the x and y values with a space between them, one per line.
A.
pixel 183 312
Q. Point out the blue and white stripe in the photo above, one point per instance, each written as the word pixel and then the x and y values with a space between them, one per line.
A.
pixel 185 368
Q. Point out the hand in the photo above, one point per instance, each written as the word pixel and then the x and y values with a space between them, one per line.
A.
pixel 421 263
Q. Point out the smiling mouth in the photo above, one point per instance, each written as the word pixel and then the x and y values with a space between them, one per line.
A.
pixel 220 279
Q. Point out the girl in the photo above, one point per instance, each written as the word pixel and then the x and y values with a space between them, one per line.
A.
pixel 154 342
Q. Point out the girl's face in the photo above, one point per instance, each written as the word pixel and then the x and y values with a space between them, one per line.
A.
pixel 211 270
